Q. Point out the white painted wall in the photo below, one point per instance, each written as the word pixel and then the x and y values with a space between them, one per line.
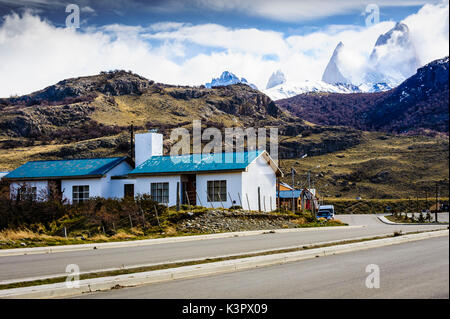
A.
pixel 234 186
pixel 41 188
pixel 259 174
pixel 100 187
pixel 143 186
pixel 97 187
pixel 114 188
pixel 146 146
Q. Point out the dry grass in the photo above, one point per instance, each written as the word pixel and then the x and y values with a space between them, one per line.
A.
pixel 7 235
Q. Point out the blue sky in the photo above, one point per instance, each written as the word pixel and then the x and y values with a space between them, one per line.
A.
pixel 137 12
pixel 189 42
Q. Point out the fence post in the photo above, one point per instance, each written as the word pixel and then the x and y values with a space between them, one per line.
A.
pixel 114 227
pixel 199 200
pixel 131 222
pixel 264 200
pixel 220 198
pixel 248 203
pixel 259 199
pixel 231 199
pixel 178 196
pixel 271 203
pixel 187 198
pixel 65 232
pixel 240 200
pixel 157 218
pixel 207 196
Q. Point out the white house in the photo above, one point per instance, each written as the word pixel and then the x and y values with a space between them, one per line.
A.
pixel 246 179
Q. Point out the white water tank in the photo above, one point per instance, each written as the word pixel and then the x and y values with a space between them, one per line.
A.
pixel 147 145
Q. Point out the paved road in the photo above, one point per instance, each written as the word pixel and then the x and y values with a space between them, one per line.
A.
pixel 18 267
pixel 413 270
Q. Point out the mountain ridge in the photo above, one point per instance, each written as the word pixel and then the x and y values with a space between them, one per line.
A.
pixel 419 103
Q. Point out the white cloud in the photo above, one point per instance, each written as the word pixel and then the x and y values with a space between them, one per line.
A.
pixel 87 9
pixel 429 29
pixel 34 53
pixel 304 10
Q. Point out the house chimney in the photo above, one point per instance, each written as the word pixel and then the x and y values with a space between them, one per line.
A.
pixel 147 145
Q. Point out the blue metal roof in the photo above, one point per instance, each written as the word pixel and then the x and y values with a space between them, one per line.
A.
pixel 196 163
pixel 288 194
pixel 65 168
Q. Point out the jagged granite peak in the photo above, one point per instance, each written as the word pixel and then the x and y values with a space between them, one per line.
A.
pixel 402 38
pixel 332 73
pixel 393 58
pixel 228 78
pixel 275 79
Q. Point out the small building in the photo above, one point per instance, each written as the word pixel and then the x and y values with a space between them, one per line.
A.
pixel 303 199
pixel 246 179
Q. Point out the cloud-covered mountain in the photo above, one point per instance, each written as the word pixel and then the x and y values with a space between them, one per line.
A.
pixel 228 78
pixel 393 58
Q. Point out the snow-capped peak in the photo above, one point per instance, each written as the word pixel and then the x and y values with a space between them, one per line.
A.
pixel 332 73
pixel 228 78
pixel 275 79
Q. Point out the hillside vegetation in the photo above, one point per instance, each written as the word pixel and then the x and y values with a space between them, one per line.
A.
pixel 91 116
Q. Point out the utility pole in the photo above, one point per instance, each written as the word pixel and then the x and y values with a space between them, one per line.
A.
pixel 293 171
pixel 437 203
pixel 309 180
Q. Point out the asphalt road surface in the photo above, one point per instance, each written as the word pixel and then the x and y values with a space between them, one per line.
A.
pixel 413 270
pixel 26 266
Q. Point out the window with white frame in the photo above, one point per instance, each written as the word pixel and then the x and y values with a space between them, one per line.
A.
pixel 27 193
pixel 160 192
pixel 217 191
pixel 80 193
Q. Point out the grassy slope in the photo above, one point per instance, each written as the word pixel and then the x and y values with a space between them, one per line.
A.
pixel 409 163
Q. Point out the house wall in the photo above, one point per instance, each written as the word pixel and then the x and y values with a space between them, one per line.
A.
pixel 99 187
pixel 234 186
pixel 41 188
pixel 114 188
pixel 143 185
pixel 259 174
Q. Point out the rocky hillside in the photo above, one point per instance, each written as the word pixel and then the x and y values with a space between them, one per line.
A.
pixel 91 116
pixel 419 104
